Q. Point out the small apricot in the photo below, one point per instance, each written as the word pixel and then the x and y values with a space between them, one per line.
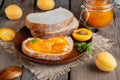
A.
pixel 82 34
pixel 105 62
pixel 45 4
pixel 13 12
pixel 7 34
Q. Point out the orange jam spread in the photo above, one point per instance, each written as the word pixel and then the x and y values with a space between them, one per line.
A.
pixel 98 13
pixel 52 45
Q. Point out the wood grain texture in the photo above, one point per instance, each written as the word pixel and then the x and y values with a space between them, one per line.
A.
pixel 1 2
pixel 28 75
pixel 63 77
pixel 7 60
pixel 76 7
pixel 89 70
pixel 62 3
pixel 27 7
pixel 117 22
pixel 58 3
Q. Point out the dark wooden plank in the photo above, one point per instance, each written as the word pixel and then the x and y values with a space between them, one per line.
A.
pixel 76 7
pixel 27 7
pixel 89 70
pixel 58 3
pixel 62 3
pixel 117 22
pixel 7 60
pixel 1 2
pixel 28 75
pixel 63 77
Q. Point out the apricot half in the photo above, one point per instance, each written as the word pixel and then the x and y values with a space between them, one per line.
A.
pixel 105 62
pixel 82 34
pixel 7 34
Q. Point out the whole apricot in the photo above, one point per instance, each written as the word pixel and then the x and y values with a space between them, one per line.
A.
pixel 45 4
pixel 13 12
pixel 105 62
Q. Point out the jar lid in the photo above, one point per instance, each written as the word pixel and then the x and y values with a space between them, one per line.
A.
pixel 99 4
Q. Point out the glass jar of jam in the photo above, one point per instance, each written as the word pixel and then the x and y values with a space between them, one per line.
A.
pixel 97 13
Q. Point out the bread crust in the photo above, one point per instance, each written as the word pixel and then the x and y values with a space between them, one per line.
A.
pixel 60 32
pixel 48 56
pixel 45 36
pixel 42 28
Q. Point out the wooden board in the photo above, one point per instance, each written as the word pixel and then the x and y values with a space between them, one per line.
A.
pixel 1 3
pixel 76 7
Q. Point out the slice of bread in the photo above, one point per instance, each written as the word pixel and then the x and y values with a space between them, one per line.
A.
pixel 67 30
pixel 48 56
pixel 50 20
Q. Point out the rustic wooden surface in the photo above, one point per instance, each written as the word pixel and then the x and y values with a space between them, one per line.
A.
pixel 87 71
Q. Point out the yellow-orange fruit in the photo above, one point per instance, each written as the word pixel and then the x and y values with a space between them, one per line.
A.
pixel 105 62
pixel 82 34
pixel 7 34
pixel 13 12
pixel 45 4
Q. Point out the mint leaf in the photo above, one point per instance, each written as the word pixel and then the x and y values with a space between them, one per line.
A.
pixel 88 48
pixel 34 41
pixel 89 44
pixel 80 49
pixel 80 44
pixel 88 51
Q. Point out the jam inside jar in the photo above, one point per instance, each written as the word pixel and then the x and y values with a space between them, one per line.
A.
pixel 98 13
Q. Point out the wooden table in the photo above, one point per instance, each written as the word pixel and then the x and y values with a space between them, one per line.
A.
pixel 87 71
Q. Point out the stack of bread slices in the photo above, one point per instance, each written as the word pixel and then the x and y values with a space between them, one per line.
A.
pixel 57 22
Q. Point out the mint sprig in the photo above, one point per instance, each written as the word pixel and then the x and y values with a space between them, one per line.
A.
pixel 83 46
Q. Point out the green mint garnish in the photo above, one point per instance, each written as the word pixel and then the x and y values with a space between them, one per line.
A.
pixel 34 41
pixel 80 49
pixel 88 48
pixel 80 44
pixel 83 47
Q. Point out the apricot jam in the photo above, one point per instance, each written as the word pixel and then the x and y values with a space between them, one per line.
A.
pixel 98 13
pixel 53 45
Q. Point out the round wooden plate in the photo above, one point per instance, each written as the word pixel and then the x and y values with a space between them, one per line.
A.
pixel 24 33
